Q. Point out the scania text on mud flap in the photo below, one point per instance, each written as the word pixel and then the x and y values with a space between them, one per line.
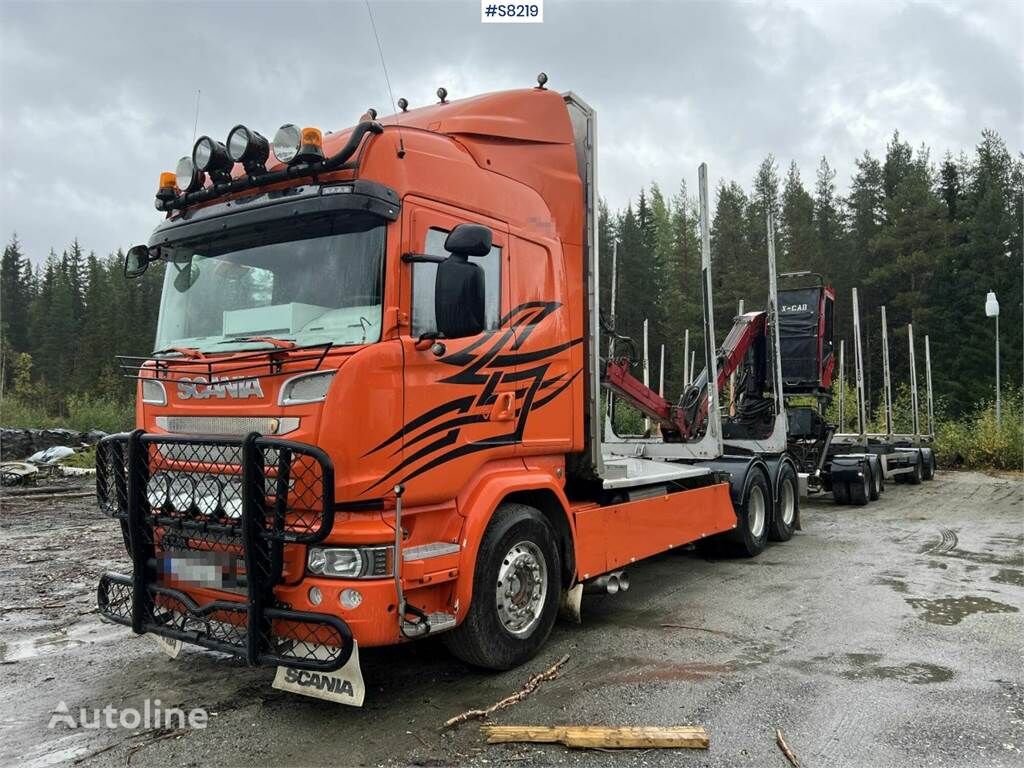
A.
pixel 375 412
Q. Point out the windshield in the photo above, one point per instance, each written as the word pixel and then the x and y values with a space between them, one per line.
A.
pixel 311 280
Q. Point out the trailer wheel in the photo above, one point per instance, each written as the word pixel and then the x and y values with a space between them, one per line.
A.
pixel 516 589
pixel 840 492
pixel 787 507
pixel 928 471
pixel 914 478
pixel 879 478
pixel 751 534
pixel 874 480
pixel 860 490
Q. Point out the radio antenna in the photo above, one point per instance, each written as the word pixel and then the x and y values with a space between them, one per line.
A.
pixel 387 80
pixel 195 126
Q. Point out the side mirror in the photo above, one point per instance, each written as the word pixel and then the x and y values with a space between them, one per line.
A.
pixel 469 240
pixel 136 261
pixel 459 295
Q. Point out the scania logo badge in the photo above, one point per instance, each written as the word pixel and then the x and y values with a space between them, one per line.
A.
pixel 200 388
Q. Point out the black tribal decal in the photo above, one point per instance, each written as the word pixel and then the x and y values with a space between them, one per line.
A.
pixel 487 363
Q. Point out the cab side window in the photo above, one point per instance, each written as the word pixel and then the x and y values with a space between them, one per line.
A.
pixel 424 275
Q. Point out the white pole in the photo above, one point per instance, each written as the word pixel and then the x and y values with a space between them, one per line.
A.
pixel 661 373
pixel 647 374
pixel 858 361
pixel 928 383
pixel 886 376
pixel 999 410
pixel 686 359
pixel 709 316
pixel 842 385
pixel 773 318
pixel 913 384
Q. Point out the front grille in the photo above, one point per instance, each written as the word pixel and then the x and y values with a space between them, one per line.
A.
pixel 227 425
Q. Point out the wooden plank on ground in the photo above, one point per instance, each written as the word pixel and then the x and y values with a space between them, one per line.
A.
pixel 596 736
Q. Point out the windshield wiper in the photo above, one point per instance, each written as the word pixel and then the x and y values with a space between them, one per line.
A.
pixel 272 340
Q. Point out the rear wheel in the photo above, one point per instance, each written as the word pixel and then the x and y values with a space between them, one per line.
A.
pixel 914 478
pixel 928 471
pixel 787 506
pixel 840 492
pixel 860 488
pixel 875 480
pixel 516 588
pixel 751 534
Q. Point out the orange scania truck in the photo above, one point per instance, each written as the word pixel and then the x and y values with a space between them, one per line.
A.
pixel 375 412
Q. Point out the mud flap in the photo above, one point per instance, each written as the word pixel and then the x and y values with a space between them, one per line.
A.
pixel 344 686
pixel 171 647
pixel 569 608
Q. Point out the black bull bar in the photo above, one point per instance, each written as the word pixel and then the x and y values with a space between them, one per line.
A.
pixel 246 497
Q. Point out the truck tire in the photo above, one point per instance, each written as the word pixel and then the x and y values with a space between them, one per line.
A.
pixel 840 492
pixel 751 534
pixel 860 490
pixel 928 470
pixel 914 478
pixel 516 588
pixel 788 506
pixel 877 479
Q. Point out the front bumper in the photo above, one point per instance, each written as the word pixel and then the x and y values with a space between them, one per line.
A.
pixel 286 494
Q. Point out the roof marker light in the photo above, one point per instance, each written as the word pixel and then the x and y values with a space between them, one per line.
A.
pixel 167 189
pixel 248 148
pixel 311 147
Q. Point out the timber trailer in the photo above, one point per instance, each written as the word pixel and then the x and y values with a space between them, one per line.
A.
pixel 373 413
pixel 852 466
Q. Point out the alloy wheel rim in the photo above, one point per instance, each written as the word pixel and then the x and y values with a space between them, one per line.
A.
pixel 788 503
pixel 756 511
pixel 521 588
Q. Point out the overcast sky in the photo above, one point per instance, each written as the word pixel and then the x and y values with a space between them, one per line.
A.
pixel 98 98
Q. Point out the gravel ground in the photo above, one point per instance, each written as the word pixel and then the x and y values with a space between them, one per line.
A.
pixel 889 635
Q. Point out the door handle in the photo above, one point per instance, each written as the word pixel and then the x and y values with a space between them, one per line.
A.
pixel 504 408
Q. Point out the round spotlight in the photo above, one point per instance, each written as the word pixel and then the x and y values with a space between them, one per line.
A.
pixel 248 148
pixel 315 595
pixel 187 176
pixel 182 492
pixel 156 490
pixel 207 495
pixel 286 142
pixel 231 500
pixel 212 157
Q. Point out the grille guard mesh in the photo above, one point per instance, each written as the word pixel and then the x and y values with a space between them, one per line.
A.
pixel 269 492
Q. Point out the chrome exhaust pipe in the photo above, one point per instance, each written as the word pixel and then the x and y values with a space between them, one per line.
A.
pixel 609 583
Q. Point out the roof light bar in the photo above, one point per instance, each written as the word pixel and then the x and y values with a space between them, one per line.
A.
pixel 187 176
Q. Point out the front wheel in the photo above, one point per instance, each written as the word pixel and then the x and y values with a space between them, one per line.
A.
pixel 787 506
pixel 914 478
pixel 928 470
pixel 860 488
pixel 516 588
pixel 751 534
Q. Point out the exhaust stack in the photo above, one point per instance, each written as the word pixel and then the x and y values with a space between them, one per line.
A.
pixel 611 583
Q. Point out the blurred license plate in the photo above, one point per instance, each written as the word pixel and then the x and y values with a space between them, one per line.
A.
pixel 215 570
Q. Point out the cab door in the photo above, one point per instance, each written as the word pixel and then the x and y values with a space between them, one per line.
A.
pixel 459 398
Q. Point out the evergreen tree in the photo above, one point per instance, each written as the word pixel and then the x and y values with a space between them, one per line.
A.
pixel 797 242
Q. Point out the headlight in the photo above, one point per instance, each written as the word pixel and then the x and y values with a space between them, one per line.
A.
pixel 212 157
pixel 306 388
pixel 153 392
pixel 248 148
pixel 207 496
pixel 187 176
pixel 350 562
pixel 231 499
pixel 182 490
pixel 286 142
pixel 156 490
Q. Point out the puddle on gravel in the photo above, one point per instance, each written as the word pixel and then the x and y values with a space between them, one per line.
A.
pixel 1009 576
pixel 897 584
pixel 866 667
pixel 55 642
pixel 952 610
